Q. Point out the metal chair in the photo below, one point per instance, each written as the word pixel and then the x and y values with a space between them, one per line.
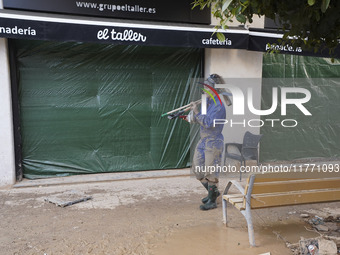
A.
pixel 248 149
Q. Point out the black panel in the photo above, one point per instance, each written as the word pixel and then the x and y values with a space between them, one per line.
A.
pixel 175 10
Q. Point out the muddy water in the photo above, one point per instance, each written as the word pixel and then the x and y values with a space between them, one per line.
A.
pixel 217 239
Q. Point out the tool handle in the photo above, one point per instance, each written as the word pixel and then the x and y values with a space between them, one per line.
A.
pixel 180 108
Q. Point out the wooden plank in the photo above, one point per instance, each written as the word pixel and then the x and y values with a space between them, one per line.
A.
pixel 240 206
pixel 281 176
pixel 236 200
pixel 295 198
pixel 296 185
pixel 226 197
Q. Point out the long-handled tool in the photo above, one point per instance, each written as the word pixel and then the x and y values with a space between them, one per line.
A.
pixel 185 107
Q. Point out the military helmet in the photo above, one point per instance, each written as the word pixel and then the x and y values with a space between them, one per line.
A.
pixel 213 79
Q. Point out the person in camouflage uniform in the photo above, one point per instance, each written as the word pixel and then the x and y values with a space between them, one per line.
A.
pixel 208 151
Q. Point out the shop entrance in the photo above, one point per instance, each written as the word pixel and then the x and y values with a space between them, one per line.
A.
pixel 92 108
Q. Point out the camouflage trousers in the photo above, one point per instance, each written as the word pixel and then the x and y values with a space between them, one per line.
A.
pixel 207 156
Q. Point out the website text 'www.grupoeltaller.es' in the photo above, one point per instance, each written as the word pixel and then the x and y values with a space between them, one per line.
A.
pixel 116 8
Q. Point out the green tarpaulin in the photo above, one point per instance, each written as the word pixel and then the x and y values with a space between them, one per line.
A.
pixel 316 136
pixel 90 108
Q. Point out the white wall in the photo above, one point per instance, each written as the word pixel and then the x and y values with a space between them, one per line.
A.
pixel 7 160
pixel 230 64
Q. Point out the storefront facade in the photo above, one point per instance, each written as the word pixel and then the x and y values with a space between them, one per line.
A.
pixel 49 33
pixel 113 70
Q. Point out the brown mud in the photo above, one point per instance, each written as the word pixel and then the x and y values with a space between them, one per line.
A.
pixel 149 216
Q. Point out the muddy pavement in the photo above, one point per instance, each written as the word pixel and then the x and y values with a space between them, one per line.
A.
pixel 148 216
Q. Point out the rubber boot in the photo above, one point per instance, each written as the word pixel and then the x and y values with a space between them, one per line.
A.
pixel 206 199
pixel 205 185
pixel 212 194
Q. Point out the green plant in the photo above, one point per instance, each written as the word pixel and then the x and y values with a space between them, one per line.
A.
pixel 309 24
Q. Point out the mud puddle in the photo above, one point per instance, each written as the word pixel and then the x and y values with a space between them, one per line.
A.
pixel 217 239
pixel 290 231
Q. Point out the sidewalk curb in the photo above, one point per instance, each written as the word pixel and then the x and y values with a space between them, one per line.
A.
pixel 103 177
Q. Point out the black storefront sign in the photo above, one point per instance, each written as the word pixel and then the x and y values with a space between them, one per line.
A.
pixel 175 10
pixel 54 27
pixel 151 35
pixel 267 40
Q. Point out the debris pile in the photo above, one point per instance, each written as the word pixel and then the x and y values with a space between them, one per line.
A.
pixel 326 223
